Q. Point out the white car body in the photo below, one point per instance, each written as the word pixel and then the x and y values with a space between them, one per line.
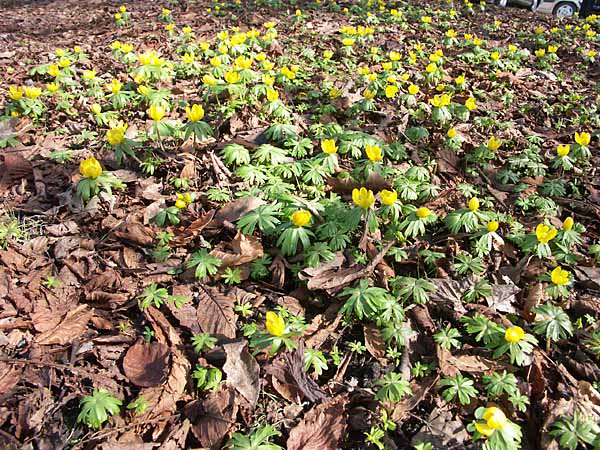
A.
pixel 560 8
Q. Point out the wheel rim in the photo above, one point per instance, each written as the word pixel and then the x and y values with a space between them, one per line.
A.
pixel 564 10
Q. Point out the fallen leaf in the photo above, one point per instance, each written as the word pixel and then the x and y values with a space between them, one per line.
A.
pixel 450 292
pixel 72 327
pixel 374 341
pixel 442 430
pixel 145 364
pixel 232 211
pixel 242 371
pixel 215 417
pixel 502 298
pixel 215 312
pixel 322 427
pixel 192 230
pixel 10 375
pixel 419 391
pixel 245 249
pixel 135 233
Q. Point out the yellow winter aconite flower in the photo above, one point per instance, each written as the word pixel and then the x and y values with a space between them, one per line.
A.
pixel 53 70
pixel 89 74
pixel 231 77
pixel 52 87
pixel 116 135
pixel 431 67
pixel 388 198
pixel 90 168
pixel 32 92
pixel 474 204
pixel 96 108
pixel 545 233
pixel 451 133
pixel 568 224
pixel 348 42
pixel 583 138
pixel 363 197
pixel 209 80
pixel 394 56
pixel 387 65
pixel 552 48
pixel 328 146
pixel 368 94
pixel 64 62
pixel 274 323
pixel 460 80
pixel 471 104
pixel 114 86
pixel 423 212
pixel 391 90
pixel 563 149
pixel 15 92
pixel 301 218
pixel 143 89
pixel 195 113
pixel 272 95
pixel 413 89
pixel 514 334
pixel 559 276
pixel 373 153
pixel 188 58
pixel 327 54
pixel 492 226
pixel 156 112
pixel 493 143
pixel 451 33
pixel 440 101
pixel 494 418
pixel 122 8
pixel 495 56
pixel 540 52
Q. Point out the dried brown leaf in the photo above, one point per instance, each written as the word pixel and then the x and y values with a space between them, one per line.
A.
pixel 72 327
pixel 374 341
pixel 215 312
pixel 322 427
pixel 242 371
pixel 215 417
pixel 145 364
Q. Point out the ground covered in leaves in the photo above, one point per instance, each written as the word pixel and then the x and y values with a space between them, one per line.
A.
pixel 324 225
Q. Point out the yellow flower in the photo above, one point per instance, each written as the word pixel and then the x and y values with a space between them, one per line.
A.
pixel 492 226
pixel 156 112
pixel 373 153
pixel 231 77
pixel 89 74
pixel 431 67
pixel 328 146
pixel 15 93
pixel 471 104
pixel 188 58
pixel 451 133
pixel 90 168
pixel 204 46
pixel 459 80
pixel 301 218
pixel 122 8
pixel 52 87
pixel 545 233
pixel 215 61
pixel 334 93
pixel 474 204
pixel 494 418
pixel 413 89
pixel 180 203
pixel 143 89
pixel 116 135
pixel 195 113
pixel 559 276
pixel 495 56
pixel 118 16
pixel 563 150
pixel 327 54
pixel 272 95
pixel 552 48
pixel 186 30
pixel 512 48
pixel 394 56
pixel 451 33
pixel 114 86
pixel 568 224
pixel 540 53
pixel 391 90
pixel 440 101
pixel 166 12
pixel 96 108
pixel 275 324
pixel 386 65
pixel 493 143
pixel 347 42
pixel 298 13
pixel 64 62
pixel 583 138
pixel 514 334
pixel 32 92
pixel 60 52
pixel 423 212
pixel 169 27
pixel 388 197
pixel 53 70
pixel 209 80
pixel 363 197
pixel 368 94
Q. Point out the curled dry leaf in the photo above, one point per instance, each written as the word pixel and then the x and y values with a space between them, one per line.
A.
pixel 135 233
pixel 242 370
pixel 442 430
pixel 322 427
pixel 72 327
pixel 374 341
pixel 145 364
pixel 244 249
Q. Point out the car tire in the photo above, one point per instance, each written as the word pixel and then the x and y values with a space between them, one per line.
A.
pixel 564 9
